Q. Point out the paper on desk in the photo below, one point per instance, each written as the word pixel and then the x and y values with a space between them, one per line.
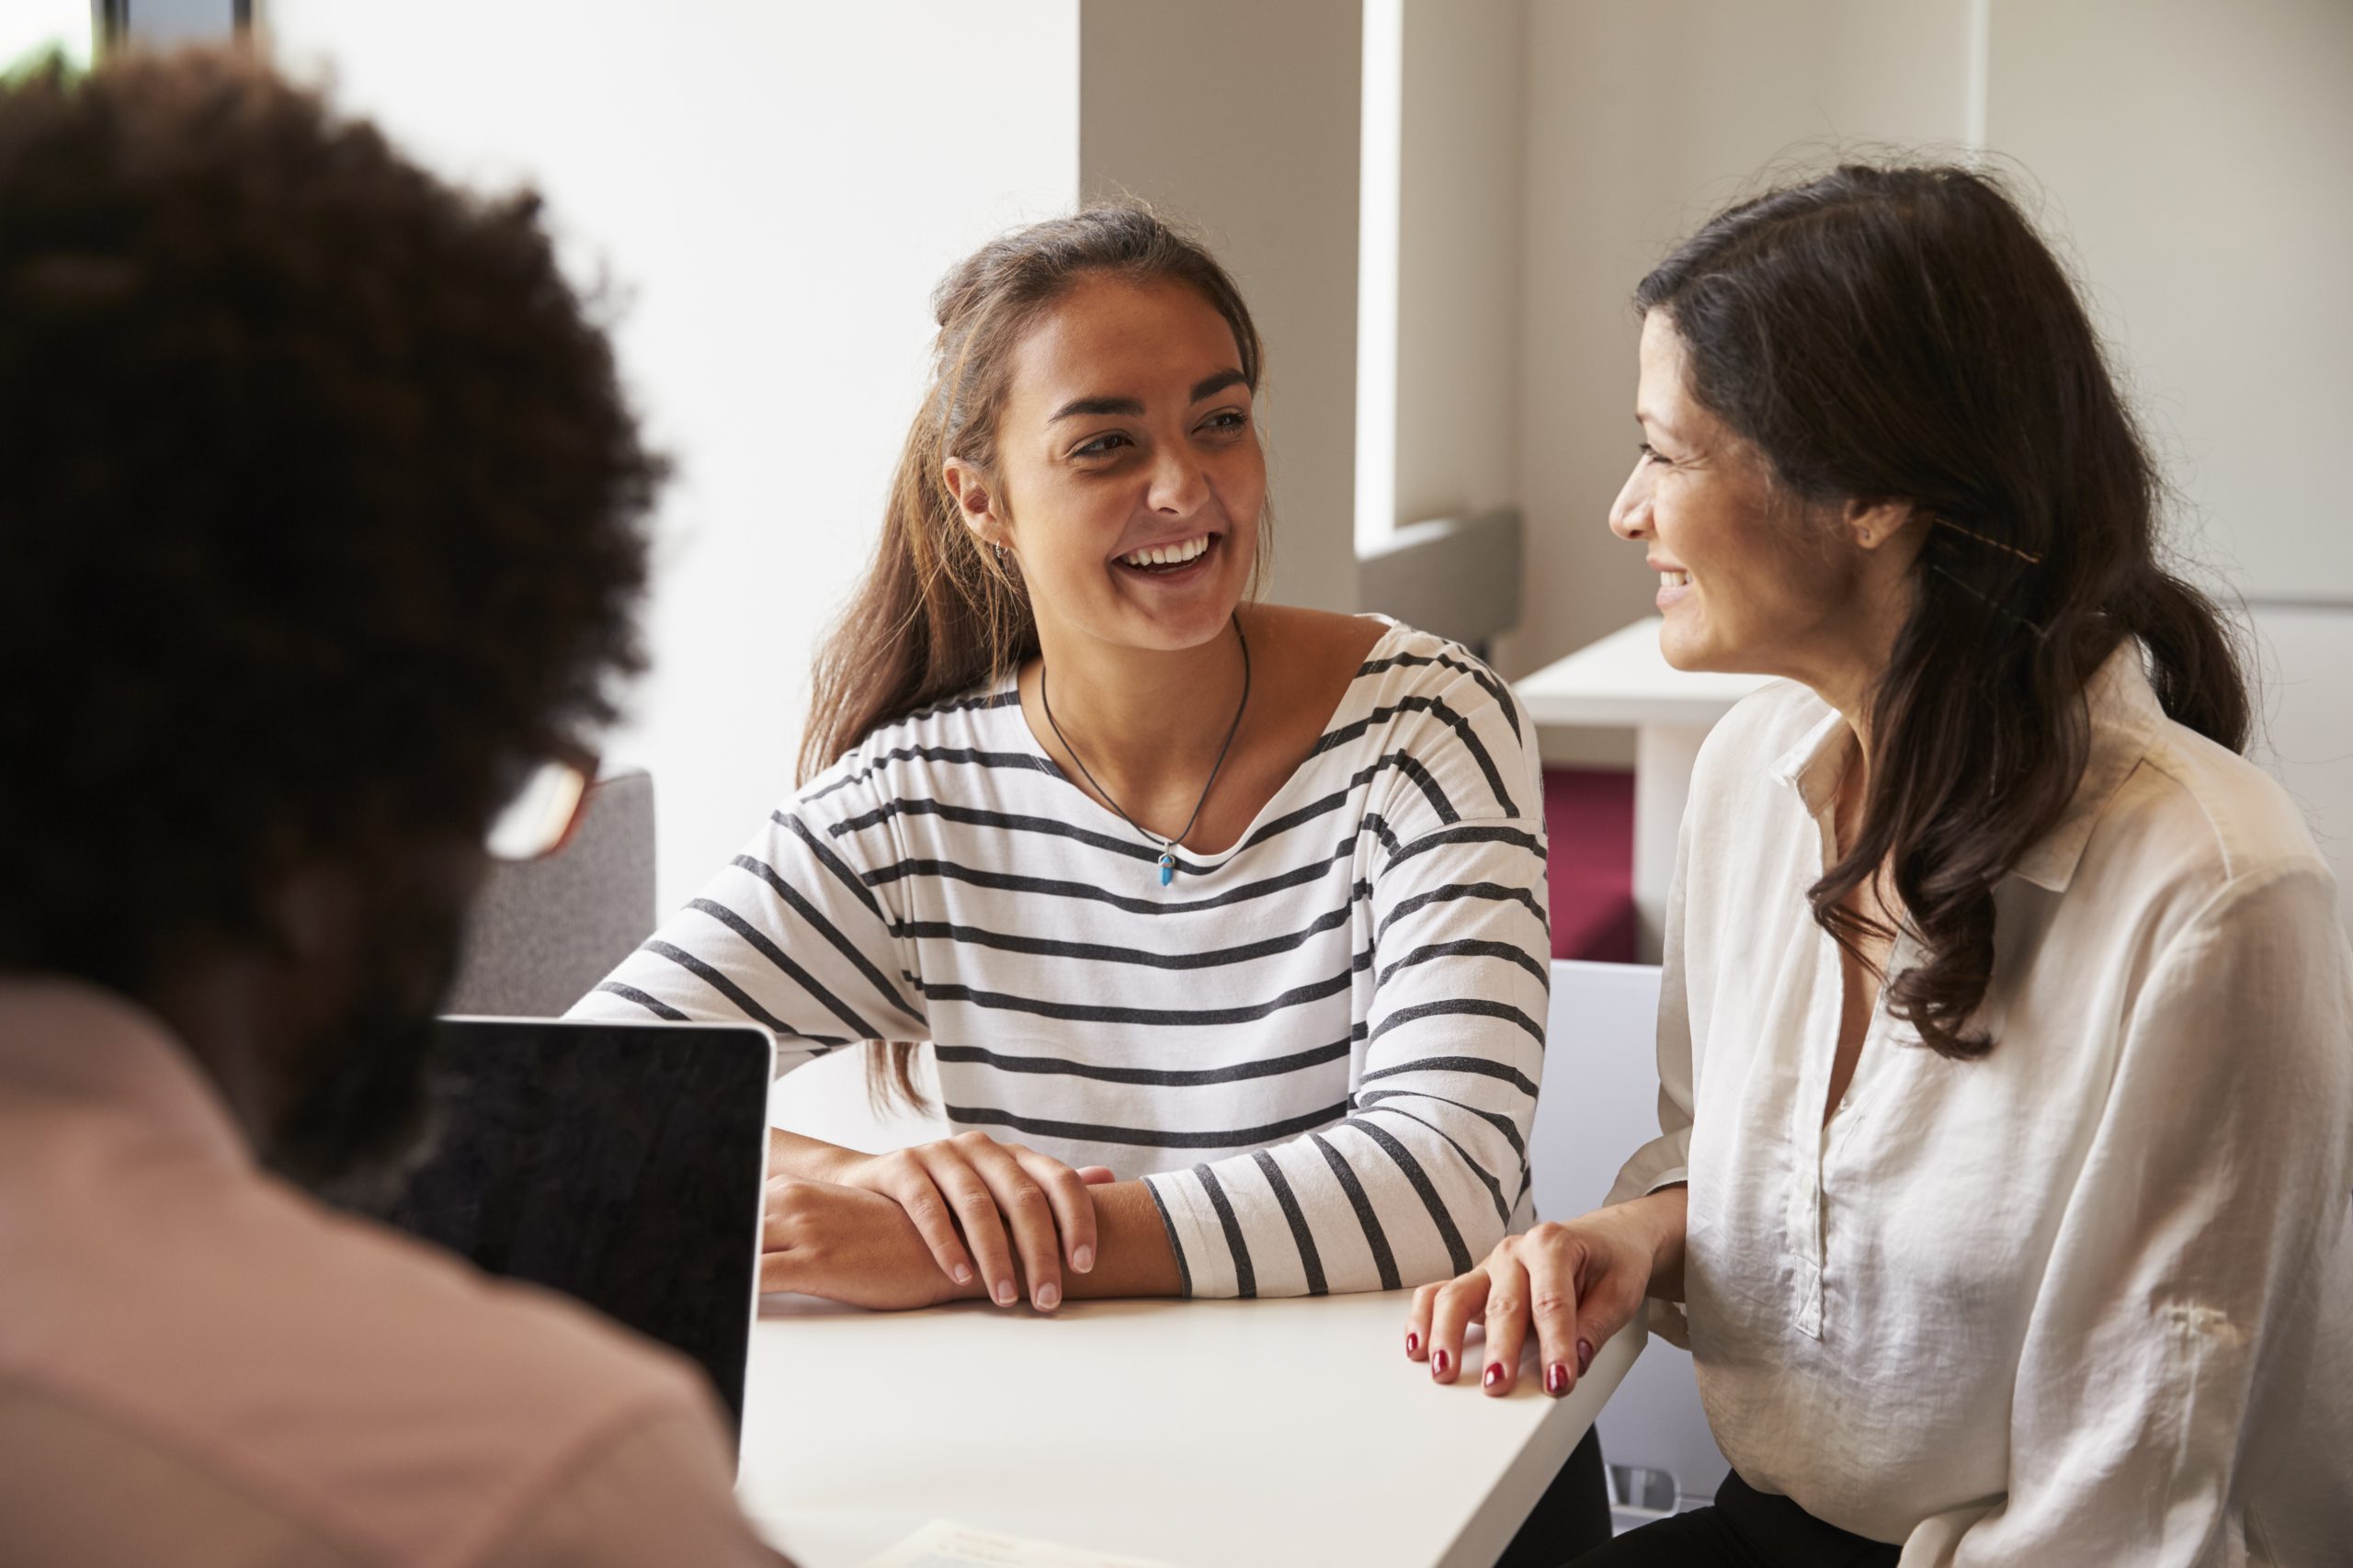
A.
pixel 942 1545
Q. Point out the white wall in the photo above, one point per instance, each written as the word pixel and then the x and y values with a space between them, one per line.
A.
pixel 774 189
pixel 2306 652
pixel 1459 343
pixel 2192 158
pixel 2187 158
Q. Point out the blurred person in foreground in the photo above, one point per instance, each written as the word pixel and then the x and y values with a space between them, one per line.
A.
pixel 324 522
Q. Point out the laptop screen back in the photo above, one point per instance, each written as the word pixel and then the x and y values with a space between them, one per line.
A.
pixel 622 1164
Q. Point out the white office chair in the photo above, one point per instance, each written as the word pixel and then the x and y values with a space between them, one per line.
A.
pixel 1600 1103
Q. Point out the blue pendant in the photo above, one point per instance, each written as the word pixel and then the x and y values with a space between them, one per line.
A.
pixel 1167 867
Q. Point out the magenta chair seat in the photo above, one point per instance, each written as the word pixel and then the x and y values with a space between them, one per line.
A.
pixel 1589 819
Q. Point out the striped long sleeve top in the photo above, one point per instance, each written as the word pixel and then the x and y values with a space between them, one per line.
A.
pixel 1320 1048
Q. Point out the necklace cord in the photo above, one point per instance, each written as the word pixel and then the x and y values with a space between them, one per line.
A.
pixel 1231 730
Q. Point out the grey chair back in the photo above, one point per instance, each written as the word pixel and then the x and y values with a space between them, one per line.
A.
pixel 542 934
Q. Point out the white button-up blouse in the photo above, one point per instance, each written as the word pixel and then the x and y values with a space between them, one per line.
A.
pixel 2089 1300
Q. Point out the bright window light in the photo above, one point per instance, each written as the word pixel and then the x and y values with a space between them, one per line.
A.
pixel 32 28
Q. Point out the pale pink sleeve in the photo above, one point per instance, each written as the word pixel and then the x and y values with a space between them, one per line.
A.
pixel 656 1490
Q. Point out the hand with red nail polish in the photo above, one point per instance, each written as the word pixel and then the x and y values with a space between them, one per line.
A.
pixel 1575 1284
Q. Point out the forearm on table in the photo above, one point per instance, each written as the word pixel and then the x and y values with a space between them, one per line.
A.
pixel 811 1159
pixel 1133 1257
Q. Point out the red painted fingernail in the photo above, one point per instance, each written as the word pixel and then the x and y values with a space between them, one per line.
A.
pixel 1493 1375
pixel 1584 1356
pixel 1440 1362
pixel 1412 1343
pixel 1557 1378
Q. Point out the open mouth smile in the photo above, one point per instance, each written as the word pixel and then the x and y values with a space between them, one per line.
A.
pixel 1181 558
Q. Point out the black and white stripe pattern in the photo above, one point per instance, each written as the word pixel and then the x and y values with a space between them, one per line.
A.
pixel 1322 1047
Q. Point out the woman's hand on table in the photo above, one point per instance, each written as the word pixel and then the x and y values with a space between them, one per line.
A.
pixel 962 1195
pixel 1576 1284
pixel 849 1246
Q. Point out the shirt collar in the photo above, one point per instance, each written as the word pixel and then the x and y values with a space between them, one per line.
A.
pixel 1814 765
pixel 2124 716
pixel 72 1044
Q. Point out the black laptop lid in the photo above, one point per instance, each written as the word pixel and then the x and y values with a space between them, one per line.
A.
pixel 622 1164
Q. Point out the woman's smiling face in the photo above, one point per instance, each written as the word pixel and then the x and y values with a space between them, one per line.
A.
pixel 1752 579
pixel 1129 479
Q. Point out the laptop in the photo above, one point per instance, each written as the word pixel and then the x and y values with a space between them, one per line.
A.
pixel 622 1164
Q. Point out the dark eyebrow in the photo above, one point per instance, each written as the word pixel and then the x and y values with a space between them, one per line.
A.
pixel 1218 383
pixel 1127 407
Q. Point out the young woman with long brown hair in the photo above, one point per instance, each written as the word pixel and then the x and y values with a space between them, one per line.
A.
pixel 2006 1037
pixel 1232 914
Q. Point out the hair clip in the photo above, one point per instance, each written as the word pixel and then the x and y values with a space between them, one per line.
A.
pixel 2027 556
pixel 2042 633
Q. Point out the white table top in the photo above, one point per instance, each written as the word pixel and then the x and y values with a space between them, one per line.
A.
pixel 1198 1433
pixel 1624 681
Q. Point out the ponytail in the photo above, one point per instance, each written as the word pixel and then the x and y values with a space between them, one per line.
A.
pixel 2193 665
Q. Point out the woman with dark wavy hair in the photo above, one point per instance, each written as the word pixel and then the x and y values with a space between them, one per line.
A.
pixel 2007 1101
